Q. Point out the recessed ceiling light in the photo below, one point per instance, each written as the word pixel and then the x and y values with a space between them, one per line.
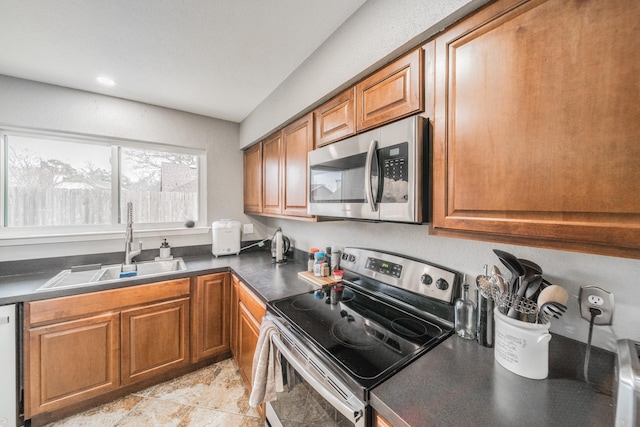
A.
pixel 105 81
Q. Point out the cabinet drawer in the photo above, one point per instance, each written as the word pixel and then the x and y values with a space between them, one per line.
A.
pixel 253 304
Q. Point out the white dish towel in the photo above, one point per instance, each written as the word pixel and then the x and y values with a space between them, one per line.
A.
pixel 266 373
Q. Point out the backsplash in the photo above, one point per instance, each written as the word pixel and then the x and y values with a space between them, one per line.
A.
pixel 567 269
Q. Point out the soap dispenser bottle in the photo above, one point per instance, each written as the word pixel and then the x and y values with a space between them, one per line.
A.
pixel 465 314
pixel 165 249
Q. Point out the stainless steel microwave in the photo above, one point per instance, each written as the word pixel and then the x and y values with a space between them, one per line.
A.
pixel 379 175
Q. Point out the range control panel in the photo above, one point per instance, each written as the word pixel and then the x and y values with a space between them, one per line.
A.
pixel 407 273
pixel 385 267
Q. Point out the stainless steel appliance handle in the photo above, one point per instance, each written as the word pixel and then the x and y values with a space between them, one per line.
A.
pixel 373 146
pixel 341 405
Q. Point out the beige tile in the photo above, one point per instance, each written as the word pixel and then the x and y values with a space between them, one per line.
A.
pixel 229 363
pixel 182 385
pixel 202 417
pixel 251 422
pixel 104 416
pixel 253 413
pixel 216 387
pixel 212 396
pixel 155 413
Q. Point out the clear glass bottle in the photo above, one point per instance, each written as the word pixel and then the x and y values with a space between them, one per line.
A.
pixel 465 314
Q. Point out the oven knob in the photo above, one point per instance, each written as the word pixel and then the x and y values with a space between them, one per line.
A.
pixel 425 279
pixel 352 258
pixel 442 284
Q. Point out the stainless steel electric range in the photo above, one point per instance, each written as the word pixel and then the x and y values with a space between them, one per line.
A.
pixel 338 343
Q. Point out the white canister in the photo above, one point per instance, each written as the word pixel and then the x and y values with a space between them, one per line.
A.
pixel 522 347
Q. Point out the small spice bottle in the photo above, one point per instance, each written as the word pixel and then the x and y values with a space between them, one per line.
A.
pixel 311 260
pixel 317 266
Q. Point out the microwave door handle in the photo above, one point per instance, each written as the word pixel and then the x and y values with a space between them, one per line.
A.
pixel 373 146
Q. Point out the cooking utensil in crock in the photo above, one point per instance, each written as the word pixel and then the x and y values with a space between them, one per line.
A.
pixel 514 266
pixel 550 309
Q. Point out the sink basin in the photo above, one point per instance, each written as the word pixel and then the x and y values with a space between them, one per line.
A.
pixel 94 275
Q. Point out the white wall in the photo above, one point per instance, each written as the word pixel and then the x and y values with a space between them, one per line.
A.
pixel 374 35
pixel 41 106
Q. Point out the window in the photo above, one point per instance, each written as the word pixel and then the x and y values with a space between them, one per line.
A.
pixel 63 182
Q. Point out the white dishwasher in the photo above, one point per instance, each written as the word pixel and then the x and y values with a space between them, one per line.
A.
pixel 8 367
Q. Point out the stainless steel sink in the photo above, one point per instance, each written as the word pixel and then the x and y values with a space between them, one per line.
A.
pixel 97 274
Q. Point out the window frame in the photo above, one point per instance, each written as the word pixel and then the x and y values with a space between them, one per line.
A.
pixel 71 233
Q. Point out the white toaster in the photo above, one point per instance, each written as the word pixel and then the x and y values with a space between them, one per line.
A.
pixel 627 387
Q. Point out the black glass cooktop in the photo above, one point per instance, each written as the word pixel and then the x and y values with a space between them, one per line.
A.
pixel 366 336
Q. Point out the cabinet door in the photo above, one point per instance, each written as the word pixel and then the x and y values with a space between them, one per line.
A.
pixel 536 132
pixel 272 174
pixel 248 333
pixel 155 339
pixel 336 118
pixel 69 362
pixel 210 320
pixel 253 179
pixel 394 91
pixel 297 141
pixel 235 300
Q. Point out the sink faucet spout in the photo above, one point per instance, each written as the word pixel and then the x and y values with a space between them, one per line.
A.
pixel 129 254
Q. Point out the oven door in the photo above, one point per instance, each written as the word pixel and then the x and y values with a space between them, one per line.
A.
pixel 313 395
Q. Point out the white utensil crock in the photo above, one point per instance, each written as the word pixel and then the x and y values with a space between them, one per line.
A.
pixel 521 347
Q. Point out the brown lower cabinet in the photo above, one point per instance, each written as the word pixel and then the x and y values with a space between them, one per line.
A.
pixel 83 348
pixel 211 295
pixel 69 361
pixel 247 312
pixel 379 421
pixel 155 338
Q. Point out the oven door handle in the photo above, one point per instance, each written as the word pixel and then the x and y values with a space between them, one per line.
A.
pixel 341 405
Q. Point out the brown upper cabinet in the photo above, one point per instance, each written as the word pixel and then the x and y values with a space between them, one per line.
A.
pixel 336 118
pixel 297 139
pixel 272 174
pixel 281 163
pixel 253 179
pixel 536 137
pixel 392 92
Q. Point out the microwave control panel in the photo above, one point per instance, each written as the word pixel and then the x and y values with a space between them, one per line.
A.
pixel 394 162
pixel 394 166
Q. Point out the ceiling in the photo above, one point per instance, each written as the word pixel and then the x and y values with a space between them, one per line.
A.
pixel 218 58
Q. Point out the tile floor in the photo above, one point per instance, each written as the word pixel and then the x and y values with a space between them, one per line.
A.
pixel 212 396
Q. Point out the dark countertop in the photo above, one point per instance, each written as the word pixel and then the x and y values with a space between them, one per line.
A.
pixel 270 281
pixel 459 383
pixel 456 383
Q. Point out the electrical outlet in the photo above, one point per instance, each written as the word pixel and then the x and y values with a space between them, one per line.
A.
pixel 247 228
pixel 595 297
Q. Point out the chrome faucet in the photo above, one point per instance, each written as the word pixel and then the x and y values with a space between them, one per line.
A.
pixel 128 238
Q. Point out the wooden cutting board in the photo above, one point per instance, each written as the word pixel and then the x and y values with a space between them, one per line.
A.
pixel 320 281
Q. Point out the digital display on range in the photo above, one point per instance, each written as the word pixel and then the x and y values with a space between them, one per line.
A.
pixel 384 267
